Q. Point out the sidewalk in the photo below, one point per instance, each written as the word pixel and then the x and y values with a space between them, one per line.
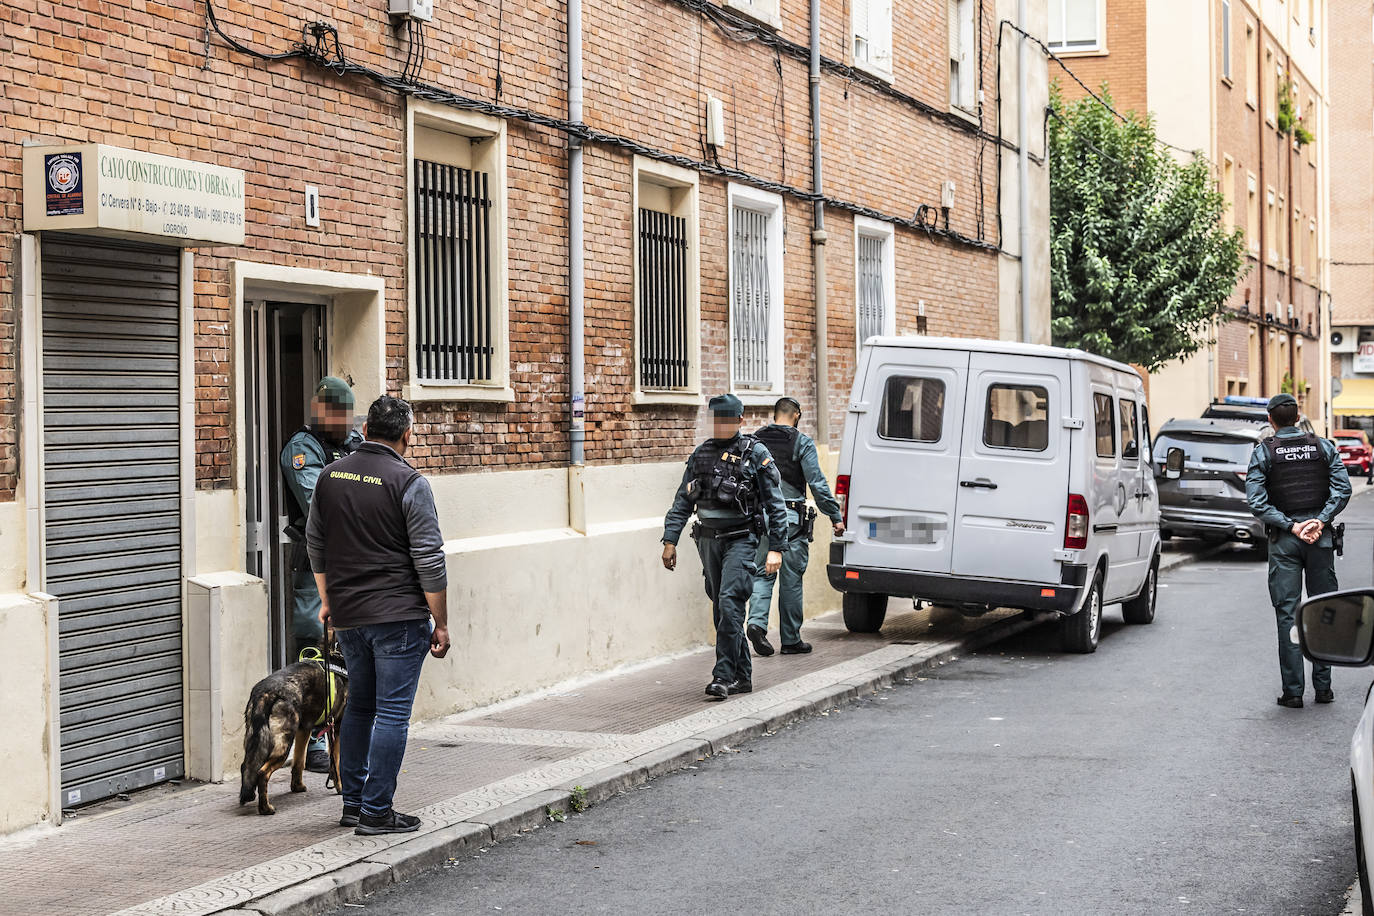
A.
pixel 475 778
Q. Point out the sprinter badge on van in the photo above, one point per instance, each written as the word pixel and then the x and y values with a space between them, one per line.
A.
pixel 1033 526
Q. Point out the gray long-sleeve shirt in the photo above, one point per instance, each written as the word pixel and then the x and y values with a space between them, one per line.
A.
pixel 1257 492
pixel 422 523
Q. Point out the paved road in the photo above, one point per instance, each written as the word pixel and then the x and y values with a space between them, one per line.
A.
pixel 1157 776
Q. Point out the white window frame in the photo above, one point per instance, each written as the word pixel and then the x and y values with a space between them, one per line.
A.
pixel 870 21
pixel 684 186
pixel 490 156
pixel 963 26
pixel 1228 191
pixel 864 227
pixel 1254 216
pixel 764 12
pixel 1099 45
pixel 770 204
pixel 1252 55
pixel 1226 49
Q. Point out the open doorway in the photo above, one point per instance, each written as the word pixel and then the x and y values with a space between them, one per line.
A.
pixel 284 351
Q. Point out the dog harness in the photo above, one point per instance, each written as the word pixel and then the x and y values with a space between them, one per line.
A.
pixel 332 675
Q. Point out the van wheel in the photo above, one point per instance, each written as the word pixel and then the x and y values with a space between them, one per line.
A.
pixel 1141 608
pixel 1361 867
pixel 1081 632
pixel 864 613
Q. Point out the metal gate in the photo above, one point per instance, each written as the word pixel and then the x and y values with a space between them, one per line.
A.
pixel 112 509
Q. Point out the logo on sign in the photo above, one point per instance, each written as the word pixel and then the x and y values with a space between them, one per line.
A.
pixel 64 196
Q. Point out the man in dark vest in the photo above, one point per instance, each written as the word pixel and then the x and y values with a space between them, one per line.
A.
pixel 1297 485
pixel 378 557
pixel 732 486
pixel 794 453
pixel 328 437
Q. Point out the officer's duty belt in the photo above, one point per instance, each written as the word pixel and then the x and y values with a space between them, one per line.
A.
pixel 796 505
pixel 717 534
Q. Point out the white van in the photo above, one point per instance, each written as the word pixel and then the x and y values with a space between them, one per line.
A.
pixel 981 474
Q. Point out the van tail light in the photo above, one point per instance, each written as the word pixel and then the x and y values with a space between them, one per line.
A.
pixel 1076 525
pixel 842 496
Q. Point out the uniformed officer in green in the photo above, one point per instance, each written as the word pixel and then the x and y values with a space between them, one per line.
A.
pixel 1297 485
pixel 732 485
pixel 329 437
pixel 798 465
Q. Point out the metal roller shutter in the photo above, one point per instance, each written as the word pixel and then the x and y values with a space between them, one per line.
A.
pixel 112 518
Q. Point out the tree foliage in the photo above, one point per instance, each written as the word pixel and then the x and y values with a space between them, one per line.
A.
pixel 1141 263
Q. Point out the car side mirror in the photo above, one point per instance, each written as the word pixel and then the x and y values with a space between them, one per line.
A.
pixel 1338 628
pixel 1173 463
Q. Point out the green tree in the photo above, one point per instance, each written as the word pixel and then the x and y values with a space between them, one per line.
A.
pixel 1140 259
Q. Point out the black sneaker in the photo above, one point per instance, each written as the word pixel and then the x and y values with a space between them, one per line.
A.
pixel 1326 696
pixel 1291 702
pixel 717 690
pixel 351 813
pixel 317 760
pixel 797 648
pixel 758 636
pixel 391 822
pixel 741 687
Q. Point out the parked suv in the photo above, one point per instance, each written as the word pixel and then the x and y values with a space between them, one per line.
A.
pixel 982 474
pixel 1356 454
pixel 1208 499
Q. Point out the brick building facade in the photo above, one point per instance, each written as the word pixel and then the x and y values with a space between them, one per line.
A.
pixel 1153 58
pixel 404 191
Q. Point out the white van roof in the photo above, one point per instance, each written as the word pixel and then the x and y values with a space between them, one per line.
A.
pixel 1009 347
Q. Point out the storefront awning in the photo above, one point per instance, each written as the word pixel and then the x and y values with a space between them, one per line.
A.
pixel 1356 398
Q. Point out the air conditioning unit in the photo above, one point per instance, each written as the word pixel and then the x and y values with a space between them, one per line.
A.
pixel 1345 340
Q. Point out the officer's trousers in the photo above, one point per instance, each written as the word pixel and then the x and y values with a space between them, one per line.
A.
pixel 1289 558
pixel 795 557
pixel 729 570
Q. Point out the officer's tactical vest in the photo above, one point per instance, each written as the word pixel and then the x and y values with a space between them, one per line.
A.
pixel 366 539
pixel 719 477
pixel 296 513
pixel 782 443
pixel 1299 476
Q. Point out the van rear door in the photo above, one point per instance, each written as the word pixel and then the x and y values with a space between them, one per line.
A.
pixel 905 468
pixel 1014 473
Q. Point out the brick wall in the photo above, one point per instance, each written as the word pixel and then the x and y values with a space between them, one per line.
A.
pixel 138 74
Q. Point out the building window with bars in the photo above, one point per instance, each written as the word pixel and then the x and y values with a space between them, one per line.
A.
pixel 874 281
pixel 457 322
pixel 755 290
pixel 666 263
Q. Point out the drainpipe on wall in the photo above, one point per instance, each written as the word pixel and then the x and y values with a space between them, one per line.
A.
pixel 1023 164
pixel 818 238
pixel 576 314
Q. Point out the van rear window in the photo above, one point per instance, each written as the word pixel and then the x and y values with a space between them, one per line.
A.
pixel 913 409
pixel 1017 416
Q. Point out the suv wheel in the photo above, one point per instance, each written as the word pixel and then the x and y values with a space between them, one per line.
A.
pixel 1081 632
pixel 864 613
pixel 1141 608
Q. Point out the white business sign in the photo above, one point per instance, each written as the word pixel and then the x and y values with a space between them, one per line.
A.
pixel 1364 357
pixel 121 192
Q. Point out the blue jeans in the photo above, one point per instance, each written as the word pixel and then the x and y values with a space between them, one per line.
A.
pixel 383 671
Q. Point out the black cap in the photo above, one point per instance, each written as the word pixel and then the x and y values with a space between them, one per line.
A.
pixel 1281 400
pixel 726 405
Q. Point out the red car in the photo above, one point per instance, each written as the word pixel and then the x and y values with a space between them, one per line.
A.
pixel 1356 453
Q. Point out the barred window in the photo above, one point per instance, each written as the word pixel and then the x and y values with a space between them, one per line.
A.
pixel 453 326
pixel 755 290
pixel 663 307
pixel 873 279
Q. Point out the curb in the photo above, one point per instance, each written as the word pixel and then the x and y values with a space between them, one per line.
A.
pixel 404 861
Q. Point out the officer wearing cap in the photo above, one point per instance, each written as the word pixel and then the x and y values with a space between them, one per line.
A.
pixel 794 453
pixel 1297 485
pixel 329 437
pixel 732 484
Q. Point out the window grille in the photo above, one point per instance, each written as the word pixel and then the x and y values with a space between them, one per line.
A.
pixel 454 331
pixel 662 300
pixel 872 307
pixel 753 299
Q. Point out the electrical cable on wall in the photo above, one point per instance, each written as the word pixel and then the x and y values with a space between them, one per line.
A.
pixel 320 46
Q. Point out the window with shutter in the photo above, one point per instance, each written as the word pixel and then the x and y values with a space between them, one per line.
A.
pixel 963 76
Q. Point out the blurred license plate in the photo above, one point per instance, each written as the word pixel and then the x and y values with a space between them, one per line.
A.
pixel 906 529
pixel 1203 487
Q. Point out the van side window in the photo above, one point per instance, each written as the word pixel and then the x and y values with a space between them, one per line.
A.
pixel 1130 430
pixel 913 409
pixel 1145 422
pixel 1102 424
pixel 1017 416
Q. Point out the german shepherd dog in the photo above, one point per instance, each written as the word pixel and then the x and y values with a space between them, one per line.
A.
pixel 282 710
